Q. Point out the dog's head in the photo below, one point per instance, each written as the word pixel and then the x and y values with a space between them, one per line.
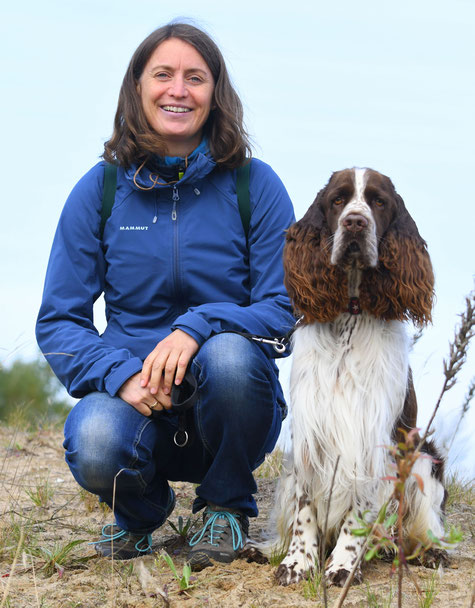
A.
pixel 358 220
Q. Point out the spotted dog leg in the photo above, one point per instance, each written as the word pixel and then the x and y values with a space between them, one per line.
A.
pixel 344 555
pixel 303 550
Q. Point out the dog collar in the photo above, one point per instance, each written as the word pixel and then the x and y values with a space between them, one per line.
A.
pixel 354 307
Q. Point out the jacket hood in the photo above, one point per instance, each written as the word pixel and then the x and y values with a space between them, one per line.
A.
pixel 197 169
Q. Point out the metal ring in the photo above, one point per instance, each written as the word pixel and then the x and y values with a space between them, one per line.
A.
pixel 153 405
pixel 279 347
pixel 180 445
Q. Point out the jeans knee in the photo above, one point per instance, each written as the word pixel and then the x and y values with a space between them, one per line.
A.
pixel 99 441
pixel 232 361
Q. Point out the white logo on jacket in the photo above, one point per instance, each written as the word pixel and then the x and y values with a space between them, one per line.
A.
pixel 133 228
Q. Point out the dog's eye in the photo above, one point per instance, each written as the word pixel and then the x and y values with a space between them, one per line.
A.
pixel 338 200
pixel 379 202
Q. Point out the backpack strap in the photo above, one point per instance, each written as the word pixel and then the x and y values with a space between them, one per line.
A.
pixel 242 191
pixel 108 195
pixel 244 199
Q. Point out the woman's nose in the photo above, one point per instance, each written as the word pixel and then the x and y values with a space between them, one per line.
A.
pixel 178 87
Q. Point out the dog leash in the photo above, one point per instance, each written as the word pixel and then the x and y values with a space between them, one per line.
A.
pixel 279 344
pixel 183 399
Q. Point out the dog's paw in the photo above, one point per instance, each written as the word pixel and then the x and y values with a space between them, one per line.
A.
pixel 287 574
pixel 339 577
pixel 433 558
pixel 252 554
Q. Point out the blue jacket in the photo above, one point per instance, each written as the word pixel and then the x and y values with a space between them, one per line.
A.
pixel 171 257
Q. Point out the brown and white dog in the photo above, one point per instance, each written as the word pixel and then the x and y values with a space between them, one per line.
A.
pixel 356 269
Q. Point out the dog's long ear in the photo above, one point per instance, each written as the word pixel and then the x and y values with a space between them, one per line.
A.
pixel 402 285
pixel 315 287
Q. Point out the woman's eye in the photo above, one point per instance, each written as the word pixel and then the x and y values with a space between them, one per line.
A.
pixel 195 79
pixel 161 75
pixel 338 200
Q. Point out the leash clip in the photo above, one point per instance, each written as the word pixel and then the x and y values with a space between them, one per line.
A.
pixel 277 344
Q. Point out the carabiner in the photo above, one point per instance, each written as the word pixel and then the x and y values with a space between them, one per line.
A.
pixel 277 345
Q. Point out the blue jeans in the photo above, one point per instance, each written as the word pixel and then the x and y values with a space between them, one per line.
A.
pixel 236 421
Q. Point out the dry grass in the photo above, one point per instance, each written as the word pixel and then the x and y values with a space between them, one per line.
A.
pixel 43 565
pixel 459 492
pixel 271 467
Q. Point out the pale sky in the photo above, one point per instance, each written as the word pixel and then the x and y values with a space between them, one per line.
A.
pixel 325 86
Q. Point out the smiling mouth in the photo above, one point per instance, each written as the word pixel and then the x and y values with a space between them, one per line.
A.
pixel 176 109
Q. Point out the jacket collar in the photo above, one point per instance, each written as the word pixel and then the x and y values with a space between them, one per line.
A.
pixel 198 168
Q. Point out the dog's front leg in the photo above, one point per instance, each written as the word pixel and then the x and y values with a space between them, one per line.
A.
pixel 303 550
pixel 344 555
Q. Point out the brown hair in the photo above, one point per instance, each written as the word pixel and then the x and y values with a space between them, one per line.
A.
pixel 133 140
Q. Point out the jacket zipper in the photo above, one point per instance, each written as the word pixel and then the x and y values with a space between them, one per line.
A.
pixel 176 198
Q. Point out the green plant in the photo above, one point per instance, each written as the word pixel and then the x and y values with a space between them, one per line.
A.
pixel 56 557
pixel 41 493
pixel 185 580
pixel 277 556
pixel 429 593
pixel 312 586
pixel 378 533
pixel 183 528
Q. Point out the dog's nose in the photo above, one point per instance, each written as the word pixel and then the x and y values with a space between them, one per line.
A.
pixel 355 222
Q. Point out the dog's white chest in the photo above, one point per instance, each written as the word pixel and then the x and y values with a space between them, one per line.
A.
pixel 348 385
pixel 357 354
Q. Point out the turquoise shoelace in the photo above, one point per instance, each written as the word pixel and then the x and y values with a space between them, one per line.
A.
pixel 120 534
pixel 216 530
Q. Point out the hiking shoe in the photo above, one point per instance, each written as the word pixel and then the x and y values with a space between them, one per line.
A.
pixel 224 532
pixel 122 544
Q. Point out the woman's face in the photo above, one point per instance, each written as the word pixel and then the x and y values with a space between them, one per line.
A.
pixel 176 88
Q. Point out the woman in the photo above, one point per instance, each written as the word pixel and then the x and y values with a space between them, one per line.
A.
pixel 176 270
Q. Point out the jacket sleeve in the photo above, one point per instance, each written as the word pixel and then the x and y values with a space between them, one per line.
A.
pixel 269 311
pixel 65 329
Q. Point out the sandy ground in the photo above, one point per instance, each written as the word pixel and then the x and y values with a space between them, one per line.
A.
pixel 32 470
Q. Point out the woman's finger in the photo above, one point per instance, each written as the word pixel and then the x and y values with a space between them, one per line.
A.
pixel 156 405
pixel 156 374
pixel 147 366
pixel 170 371
pixel 164 400
pixel 182 365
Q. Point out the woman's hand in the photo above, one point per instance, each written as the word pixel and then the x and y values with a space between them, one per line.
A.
pixel 167 363
pixel 140 398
